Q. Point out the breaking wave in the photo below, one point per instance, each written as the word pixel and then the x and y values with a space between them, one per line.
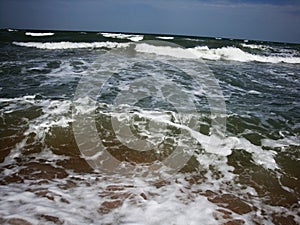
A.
pixel 165 38
pixel 70 45
pixel 224 53
pixel 39 34
pixel 198 52
pixel 130 37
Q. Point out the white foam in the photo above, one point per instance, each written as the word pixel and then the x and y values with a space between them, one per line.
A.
pixel 193 39
pixel 211 144
pixel 284 142
pixel 262 47
pixel 254 92
pixel 168 210
pixel 71 45
pixel 11 30
pixel 131 37
pixel 39 34
pixel 236 54
pixel 165 38
pixel 261 157
pixel 175 202
pixel 203 52
pixel 165 205
pixel 84 105
pixel 24 98
pixel 164 50
pixel 55 113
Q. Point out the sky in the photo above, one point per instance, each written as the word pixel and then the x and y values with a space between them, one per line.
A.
pixel 271 20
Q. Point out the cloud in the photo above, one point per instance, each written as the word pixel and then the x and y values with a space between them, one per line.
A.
pixel 257 19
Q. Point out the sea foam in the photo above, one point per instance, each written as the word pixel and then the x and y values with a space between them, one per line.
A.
pixel 39 34
pixel 165 38
pixel 130 37
pixel 236 54
pixel 203 52
pixel 70 45
pixel 199 52
pixel 261 47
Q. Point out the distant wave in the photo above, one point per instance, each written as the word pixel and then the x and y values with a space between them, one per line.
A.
pixel 199 52
pixel 70 45
pixel 262 47
pixel 193 39
pixel 165 38
pixel 11 30
pixel 38 34
pixel 130 37
pixel 236 54
pixel 165 50
pixel 224 53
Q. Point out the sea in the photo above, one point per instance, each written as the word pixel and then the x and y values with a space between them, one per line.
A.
pixel 146 129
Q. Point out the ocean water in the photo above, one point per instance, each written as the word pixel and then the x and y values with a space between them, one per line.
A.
pixel 111 128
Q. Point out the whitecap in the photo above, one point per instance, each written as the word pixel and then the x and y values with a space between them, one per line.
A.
pixel 164 50
pixel 204 52
pixel 131 37
pixel 236 54
pixel 39 34
pixel 252 46
pixel 254 92
pixel 70 45
pixel 165 38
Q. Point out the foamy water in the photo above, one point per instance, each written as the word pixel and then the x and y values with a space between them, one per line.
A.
pixel 70 45
pixel 150 106
pixel 165 38
pixel 124 36
pixel 39 34
pixel 201 52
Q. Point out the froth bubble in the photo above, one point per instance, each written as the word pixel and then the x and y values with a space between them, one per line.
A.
pixel 115 61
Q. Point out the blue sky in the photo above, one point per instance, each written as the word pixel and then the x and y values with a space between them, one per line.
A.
pixel 275 20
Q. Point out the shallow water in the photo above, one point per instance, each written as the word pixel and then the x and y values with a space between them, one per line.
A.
pixel 147 129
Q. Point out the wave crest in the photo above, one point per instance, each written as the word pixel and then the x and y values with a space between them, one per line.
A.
pixel 131 37
pixel 39 34
pixel 70 45
pixel 199 52
pixel 224 53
